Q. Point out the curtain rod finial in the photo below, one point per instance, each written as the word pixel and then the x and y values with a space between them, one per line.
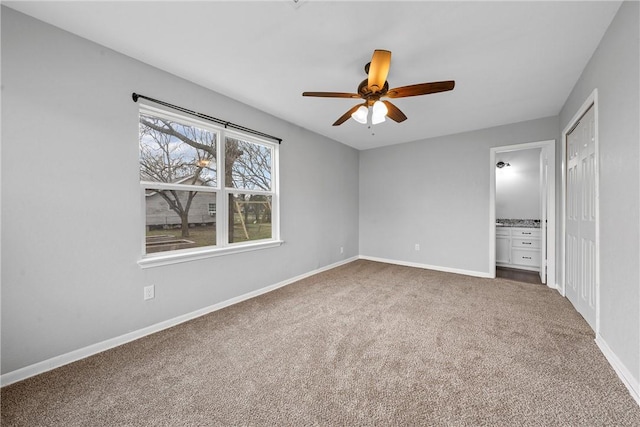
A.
pixel 134 96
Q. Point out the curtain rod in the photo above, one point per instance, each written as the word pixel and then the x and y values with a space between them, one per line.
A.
pixel 226 124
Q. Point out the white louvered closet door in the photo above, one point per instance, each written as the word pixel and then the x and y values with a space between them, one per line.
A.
pixel 580 272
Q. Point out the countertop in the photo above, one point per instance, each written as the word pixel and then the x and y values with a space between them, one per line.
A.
pixel 521 223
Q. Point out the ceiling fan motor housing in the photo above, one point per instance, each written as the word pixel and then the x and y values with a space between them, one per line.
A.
pixel 370 96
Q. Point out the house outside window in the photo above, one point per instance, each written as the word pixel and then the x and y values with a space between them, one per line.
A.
pixel 189 168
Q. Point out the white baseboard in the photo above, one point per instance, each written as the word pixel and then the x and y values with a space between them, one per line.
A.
pixel 623 373
pixel 482 274
pixel 73 356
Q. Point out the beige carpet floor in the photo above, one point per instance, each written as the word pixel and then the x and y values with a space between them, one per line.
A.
pixel 363 344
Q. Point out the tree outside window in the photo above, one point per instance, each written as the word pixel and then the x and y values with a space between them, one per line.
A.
pixel 180 162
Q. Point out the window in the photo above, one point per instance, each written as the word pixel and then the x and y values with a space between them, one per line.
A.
pixel 248 167
pixel 187 169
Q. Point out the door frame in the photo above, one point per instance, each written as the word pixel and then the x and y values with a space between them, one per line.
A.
pixel 592 100
pixel 551 205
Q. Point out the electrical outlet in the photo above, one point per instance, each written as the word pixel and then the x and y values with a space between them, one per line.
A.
pixel 341 249
pixel 417 247
pixel 149 292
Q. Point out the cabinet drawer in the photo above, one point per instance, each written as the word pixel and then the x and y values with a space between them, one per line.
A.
pixel 521 242
pixel 525 257
pixel 525 232
pixel 502 231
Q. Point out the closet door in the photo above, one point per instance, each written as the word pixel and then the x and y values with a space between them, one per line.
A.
pixel 580 272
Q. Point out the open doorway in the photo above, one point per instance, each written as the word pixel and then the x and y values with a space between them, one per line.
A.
pixel 518 213
pixel 522 209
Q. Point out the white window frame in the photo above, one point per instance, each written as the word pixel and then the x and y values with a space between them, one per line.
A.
pixel 222 246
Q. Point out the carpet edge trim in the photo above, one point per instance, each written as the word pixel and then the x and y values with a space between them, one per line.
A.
pixel 90 350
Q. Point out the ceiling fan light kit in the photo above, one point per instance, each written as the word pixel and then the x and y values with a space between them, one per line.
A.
pixel 360 115
pixel 375 86
pixel 379 111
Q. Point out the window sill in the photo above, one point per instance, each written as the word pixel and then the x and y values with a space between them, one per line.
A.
pixel 175 257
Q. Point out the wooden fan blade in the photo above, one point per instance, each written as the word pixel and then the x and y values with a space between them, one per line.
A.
pixel 331 94
pixel 379 69
pixel 421 89
pixel 346 116
pixel 394 112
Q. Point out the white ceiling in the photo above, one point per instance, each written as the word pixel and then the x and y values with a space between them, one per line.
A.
pixel 512 61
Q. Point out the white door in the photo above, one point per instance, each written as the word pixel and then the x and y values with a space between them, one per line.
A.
pixel 580 274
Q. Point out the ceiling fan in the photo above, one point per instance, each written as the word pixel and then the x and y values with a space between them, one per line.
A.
pixel 375 87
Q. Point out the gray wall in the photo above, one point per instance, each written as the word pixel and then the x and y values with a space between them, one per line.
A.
pixel 72 218
pixel 435 192
pixel 614 70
